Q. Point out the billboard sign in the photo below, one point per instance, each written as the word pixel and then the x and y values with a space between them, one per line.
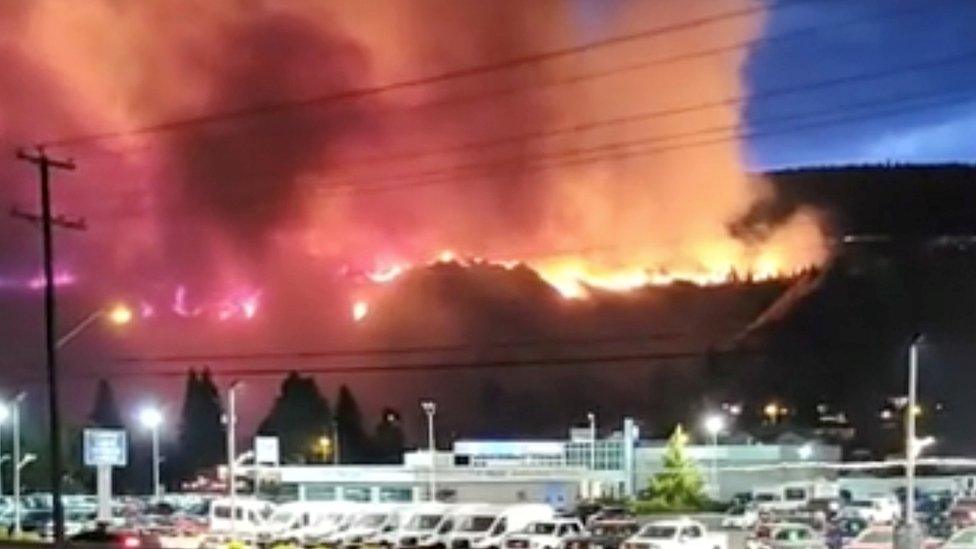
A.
pixel 105 447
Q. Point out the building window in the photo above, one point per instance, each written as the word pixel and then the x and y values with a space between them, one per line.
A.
pixel 320 492
pixel 356 493
pixel 398 495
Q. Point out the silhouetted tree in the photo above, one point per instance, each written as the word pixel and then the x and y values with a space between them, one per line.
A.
pixel 202 435
pixel 388 438
pixel 299 418
pixel 106 410
pixel 354 445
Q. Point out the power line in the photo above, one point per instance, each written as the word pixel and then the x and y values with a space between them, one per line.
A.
pixel 574 79
pixel 413 367
pixel 422 178
pixel 475 70
pixel 616 150
pixel 407 350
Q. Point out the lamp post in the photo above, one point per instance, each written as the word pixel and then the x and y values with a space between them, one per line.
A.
pixel 4 416
pixel 591 417
pixel 430 408
pixel 151 418
pixel 232 454
pixel 117 314
pixel 15 419
pixel 714 424
pixel 910 536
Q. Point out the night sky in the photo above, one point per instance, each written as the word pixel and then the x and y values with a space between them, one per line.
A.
pixel 935 36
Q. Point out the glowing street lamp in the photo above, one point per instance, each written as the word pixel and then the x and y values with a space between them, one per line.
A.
pixel 714 424
pixel 151 418
pixel 118 314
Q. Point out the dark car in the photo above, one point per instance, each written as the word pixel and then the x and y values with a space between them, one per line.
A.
pixel 111 538
pixel 34 521
pixel 609 514
pixel 604 534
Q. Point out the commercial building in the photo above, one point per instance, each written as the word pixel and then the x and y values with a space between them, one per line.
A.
pixel 559 472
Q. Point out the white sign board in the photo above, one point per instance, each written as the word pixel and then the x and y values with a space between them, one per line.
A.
pixel 266 450
pixel 106 447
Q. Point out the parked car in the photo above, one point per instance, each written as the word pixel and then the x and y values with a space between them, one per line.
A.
pixel 963 539
pixel 880 510
pixel 487 527
pixel 787 535
pixel 962 513
pixel 116 538
pixel 427 526
pixel 675 534
pixel 605 534
pixel 547 534
pixel 740 517
pixel 883 537
pixel 608 513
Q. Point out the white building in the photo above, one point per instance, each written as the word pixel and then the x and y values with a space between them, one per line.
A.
pixel 559 472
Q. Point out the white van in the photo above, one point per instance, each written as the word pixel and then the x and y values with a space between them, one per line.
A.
pixel 371 520
pixel 486 527
pixel 329 521
pixel 287 522
pixel 427 525
pixel 249 518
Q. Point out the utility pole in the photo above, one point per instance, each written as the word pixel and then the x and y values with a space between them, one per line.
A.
pixel 44 165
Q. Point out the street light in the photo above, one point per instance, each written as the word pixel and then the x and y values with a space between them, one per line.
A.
pixel 118 314
pixel 4 416
pixel 714 424
pixel 591 417
pixel 921 444
pixel 232 454
pixel 430 408
pixel 15 420
pixel 910 535
pixel 151 418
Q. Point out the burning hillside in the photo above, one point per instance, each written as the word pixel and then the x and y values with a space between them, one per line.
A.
pixel 275 174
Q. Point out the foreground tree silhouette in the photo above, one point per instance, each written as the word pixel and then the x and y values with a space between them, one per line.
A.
pixel 105 413
pixel 299 418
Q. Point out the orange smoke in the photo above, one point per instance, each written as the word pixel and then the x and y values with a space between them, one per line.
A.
pixel 597 210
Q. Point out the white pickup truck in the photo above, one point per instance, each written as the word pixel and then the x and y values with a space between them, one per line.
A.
pixel 675 534
pixel 545 534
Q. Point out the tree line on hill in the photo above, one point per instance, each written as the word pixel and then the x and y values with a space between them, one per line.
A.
pixel 308 429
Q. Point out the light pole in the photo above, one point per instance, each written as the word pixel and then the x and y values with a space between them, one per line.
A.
pixel 911 537
pixel 430 408
pixel 15 418
pixel 591 417
pixel 714 424
pixel 117 314
pixel 151 418
pixel 4 416
pixel 232 454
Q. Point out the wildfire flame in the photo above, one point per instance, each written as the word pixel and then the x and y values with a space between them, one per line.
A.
pixel 574 276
